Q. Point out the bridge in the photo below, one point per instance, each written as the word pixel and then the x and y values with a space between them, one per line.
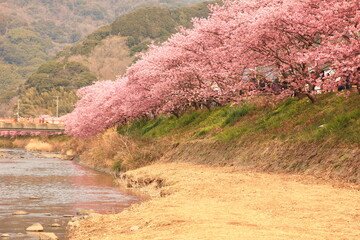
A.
pixel 31 125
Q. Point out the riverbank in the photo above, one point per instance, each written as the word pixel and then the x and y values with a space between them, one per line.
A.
pixel 293 136
pixel 204 202
pixel 36 143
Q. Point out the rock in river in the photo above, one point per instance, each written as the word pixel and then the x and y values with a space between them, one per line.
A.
pixel 5 235
pixel 20 213
pixel 36 227
pixel 72 225
pixel 85 212
pixel 46 236
pixel 33 197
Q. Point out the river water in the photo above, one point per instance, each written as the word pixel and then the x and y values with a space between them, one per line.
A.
pixel 62 188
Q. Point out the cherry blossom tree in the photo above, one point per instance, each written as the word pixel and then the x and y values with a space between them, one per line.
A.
pixel 101 106
pixel 243 49
pixel 293 38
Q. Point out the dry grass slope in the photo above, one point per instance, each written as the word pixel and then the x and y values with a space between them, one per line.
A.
pixel 36 145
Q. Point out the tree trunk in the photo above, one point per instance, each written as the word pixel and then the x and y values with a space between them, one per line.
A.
pixel 218 104
pixel 301 95
pixel 153 115
pixel 176 114
pixel 207 105
pixel 196 105
pixel 311 97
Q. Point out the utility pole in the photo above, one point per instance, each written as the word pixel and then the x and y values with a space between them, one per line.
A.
pixel 18 109
pixel 57 106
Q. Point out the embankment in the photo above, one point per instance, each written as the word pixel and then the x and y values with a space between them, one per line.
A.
pixel 328 161
pixel 294 136
pixel 37 143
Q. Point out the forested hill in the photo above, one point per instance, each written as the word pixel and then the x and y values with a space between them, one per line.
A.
pixel 33 31
pixel 102 55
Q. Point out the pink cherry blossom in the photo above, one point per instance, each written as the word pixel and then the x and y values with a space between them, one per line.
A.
pixel 245 48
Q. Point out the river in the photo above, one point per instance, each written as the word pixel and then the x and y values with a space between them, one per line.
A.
pixel 61 188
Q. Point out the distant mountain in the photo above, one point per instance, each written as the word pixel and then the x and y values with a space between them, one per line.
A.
pixel 33 31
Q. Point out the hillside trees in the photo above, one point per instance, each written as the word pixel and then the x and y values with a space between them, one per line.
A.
pixel 105 54
pixel 244 49
pixel 20 46
pixel 21 51
pixel 33 102
pixel 141 26
pixel 155 23
pixel 3 24
pixel 54 79
pixel 43 27
pixel 11 79
pixel 71 75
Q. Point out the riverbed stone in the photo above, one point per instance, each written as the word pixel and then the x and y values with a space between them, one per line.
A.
pixel 47 214
pixel 84 212
pixel 46 235
pixel 55 225
pixel 20 213
pixel 134 228
pixel 36 227
pixel 74 219
pixel 33 197
pixel 74 224
pixel 70 153
pixel 5 235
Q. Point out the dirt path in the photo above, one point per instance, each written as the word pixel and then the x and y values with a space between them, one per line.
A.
pixel 202 202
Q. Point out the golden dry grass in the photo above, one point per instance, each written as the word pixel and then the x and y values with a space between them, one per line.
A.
pixel 46 144
pixel 110 151
pixel 20 142
pixel 5 143
pixel 37 145
pixel 204 202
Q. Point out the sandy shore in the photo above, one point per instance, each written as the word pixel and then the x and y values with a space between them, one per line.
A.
pixel 202 202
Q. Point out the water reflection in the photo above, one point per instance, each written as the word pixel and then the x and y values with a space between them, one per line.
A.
pixel 63 187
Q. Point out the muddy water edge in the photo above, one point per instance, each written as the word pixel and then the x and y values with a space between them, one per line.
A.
pixel 50 190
